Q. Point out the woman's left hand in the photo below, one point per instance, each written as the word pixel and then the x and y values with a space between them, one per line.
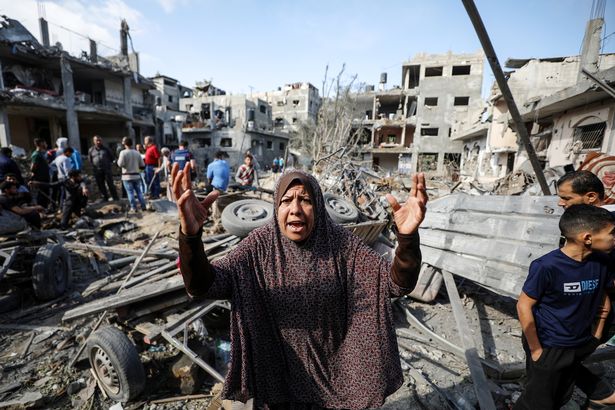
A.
pixel 409 216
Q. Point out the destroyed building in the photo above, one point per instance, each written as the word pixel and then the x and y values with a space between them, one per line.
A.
pixel 293 105
pixel 567 113
pixel 233 123
pixel 169 118
pixel 412 126
pixel 47 93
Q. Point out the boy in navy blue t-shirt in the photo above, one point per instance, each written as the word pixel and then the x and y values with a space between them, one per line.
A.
pixel 563 293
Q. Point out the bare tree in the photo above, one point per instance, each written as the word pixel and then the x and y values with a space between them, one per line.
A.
pixel 335 127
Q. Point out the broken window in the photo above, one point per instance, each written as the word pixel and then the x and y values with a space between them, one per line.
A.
pixel 282 146
pixel 459 101
pixel 202 142
pixel 461 70
pixel 433 132
pixel 452 161
pixel 391 139
pixel 170 98
pixel 263 108
pixel 294 120
pixel 412 76
pixel 589 136
pixel 226 142
pixel 295 103
pixel 431 101
pixel 433 71
pixel 269 144
pixel 278 122
pixel 428 162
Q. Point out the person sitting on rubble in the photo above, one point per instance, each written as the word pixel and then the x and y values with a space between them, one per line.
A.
pixel 9 166
pixel 246 174
pixel 22 189
pixel 76 197
pixel 563 289
pixel 217 173
pixel 11 200
pixel 311 320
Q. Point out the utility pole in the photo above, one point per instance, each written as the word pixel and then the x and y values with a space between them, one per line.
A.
pixel 492 58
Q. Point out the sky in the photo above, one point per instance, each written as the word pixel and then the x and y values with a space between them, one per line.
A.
pixel 255 46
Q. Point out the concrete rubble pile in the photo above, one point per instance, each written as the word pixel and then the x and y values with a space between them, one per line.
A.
pixel 124 334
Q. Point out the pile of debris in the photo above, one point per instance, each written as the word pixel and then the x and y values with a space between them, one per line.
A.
pixel 124 334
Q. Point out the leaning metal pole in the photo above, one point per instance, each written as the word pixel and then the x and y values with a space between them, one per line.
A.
pixel 492 58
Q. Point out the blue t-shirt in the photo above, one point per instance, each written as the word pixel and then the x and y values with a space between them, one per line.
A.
pixel 181 156
pixel 219 172
pixel 569 294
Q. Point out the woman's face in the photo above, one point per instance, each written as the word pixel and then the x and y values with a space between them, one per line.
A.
pixel 296 213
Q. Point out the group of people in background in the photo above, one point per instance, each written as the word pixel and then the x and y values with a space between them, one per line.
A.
pixel 57 181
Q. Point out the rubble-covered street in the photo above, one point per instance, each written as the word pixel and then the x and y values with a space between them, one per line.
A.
pixel 456 169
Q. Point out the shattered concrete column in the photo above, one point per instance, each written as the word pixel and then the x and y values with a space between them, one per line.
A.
pixel 590 51
pixel 72 122
pixel 5 131
pixel 128 105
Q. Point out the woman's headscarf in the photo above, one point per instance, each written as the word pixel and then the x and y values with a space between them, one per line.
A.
pixel 311 322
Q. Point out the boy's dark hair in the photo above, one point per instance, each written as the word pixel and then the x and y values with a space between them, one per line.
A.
pixel 68 150
pixel 39 141
pixel 221 155
pixel 74 173
pixel 583 182
pixel 248 155
pixel 127 141
pixel 6 151
pixel 578 218
pixel 7 184
pixel 183 143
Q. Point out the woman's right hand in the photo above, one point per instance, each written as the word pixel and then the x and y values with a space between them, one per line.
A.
pixel 192 212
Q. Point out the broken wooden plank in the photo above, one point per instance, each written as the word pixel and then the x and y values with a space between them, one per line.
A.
pixel 141 278
pixel 127 297
pixel 481 387
pixel 119 250
pixel 37 328
pixel 26 347
pixel 182 398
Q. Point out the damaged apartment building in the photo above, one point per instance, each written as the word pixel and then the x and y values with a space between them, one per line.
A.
pixel 413 126
pixel 568 114
pixel 293 105
pixel 232 123
pixel 169 118
pixel 47 93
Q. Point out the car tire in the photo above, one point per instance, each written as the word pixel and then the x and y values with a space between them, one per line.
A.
pixel 50 274
pixel 116 364
pixel 239 218
pixel 340 209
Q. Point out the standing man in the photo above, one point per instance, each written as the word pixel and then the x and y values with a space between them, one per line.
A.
pixel 152 165
pixel 182 156
pixel 40 173
pixel 64 163
pixel 102 159
pixel 131 163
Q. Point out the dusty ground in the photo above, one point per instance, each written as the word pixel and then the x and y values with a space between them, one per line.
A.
pixel 434 378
